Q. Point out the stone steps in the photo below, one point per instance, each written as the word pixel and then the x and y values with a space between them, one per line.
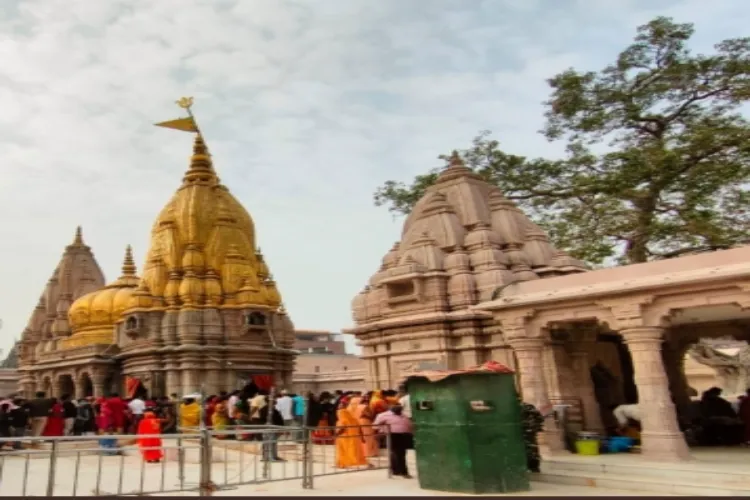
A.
pixel 671 479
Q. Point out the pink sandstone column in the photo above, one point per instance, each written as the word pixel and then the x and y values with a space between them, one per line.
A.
pixel 592 418
pixel 98 378
pixel 661 438
pixel 534 390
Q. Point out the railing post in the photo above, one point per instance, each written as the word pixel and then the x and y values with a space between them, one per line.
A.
pixel 388 445
pixel 206 487
pixel 52 467
pixel 180 461
pixel 307 462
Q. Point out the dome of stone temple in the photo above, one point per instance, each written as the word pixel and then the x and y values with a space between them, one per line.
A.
pixel 464 229
pixel 76 274
pixel 202 250
pixel 93 317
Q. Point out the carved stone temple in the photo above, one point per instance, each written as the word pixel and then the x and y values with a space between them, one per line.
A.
pixel 205 311
pixel 473 279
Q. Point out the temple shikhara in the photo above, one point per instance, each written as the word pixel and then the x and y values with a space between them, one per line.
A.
pixel 205 312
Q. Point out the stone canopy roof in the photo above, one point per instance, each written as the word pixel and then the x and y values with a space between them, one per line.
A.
pixel 465 230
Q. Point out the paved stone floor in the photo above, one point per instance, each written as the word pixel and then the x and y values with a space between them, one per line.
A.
pixel 86 474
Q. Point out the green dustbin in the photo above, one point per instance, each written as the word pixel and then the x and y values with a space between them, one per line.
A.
pixel 467 433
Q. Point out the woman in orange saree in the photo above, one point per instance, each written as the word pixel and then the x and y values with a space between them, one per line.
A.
pixel 364 417
pixel 150 446
pixel 349 451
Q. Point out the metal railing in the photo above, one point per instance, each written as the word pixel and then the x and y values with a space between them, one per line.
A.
pixel 198 460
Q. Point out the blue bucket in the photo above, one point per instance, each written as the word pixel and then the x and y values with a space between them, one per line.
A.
pixel 618 444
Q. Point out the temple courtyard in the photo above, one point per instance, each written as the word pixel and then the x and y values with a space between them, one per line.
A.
pixel 712 472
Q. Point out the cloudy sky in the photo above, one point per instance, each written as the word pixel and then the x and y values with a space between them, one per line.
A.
pixel 307 107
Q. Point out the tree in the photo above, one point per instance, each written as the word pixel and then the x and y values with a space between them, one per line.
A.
pixel 676 153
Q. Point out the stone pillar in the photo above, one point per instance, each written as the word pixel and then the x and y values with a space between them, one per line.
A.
pixel 579 354
pixel 172 378
pixel 534 389
pixel 661 438
pixel 564 380
pixel 190 381
pixel 28 386
pixel 98 379
pixel 80 387
pixel 57 387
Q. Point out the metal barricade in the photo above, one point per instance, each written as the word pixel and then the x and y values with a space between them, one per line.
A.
pixel 100 465
pixel 198 460
pixel 326 445
pixel 256 454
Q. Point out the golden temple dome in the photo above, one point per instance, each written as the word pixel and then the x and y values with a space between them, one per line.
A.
pixel 93 316
pixel 202 251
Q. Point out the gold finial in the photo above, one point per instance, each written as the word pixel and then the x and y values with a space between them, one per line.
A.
pixel 128 266
pixel 185 102
pixel 78 240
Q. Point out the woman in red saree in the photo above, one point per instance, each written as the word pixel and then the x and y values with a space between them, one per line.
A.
pixel 323 412
pixel 150 446
pixel 56 421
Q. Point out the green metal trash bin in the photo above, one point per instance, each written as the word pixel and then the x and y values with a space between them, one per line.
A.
pixel 468 434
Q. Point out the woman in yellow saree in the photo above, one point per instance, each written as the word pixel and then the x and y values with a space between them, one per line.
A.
pixel 220 418
pixel 190 415
pixel 349 452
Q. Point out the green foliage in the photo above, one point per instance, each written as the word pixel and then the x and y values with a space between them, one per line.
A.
pixel 676 153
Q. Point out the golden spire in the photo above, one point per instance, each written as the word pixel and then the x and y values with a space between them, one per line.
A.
pixel 128 265
pixel 78 240
pixel 201 168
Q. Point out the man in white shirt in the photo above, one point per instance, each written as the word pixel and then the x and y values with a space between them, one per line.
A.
pixel 137 406
pixel 625 413
pixel 232 406
pixel 405 403
pixel 285 407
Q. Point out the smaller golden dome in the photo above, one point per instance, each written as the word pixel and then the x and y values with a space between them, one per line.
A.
pixel 92 317
pixel 141 298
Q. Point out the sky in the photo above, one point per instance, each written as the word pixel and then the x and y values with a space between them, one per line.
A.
pixel 307 108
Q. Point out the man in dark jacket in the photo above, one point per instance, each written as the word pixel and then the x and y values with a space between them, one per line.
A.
pixel 532 423
pixel 70 412
pixel 39 409
pixel 271 438
pixel 19 421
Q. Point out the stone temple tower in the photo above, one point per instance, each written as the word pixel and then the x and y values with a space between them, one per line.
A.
pixel 462 242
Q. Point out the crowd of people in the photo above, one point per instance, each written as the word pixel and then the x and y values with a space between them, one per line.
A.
pixel 358 424
pixel 709 421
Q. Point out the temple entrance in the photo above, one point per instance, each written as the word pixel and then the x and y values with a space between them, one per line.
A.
pixel 611 369
pixel 66 386
pixel 46 386
pixel 87 386
pixel 711 382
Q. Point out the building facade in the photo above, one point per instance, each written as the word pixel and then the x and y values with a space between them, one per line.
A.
pixel 205 314
pixel 324 365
